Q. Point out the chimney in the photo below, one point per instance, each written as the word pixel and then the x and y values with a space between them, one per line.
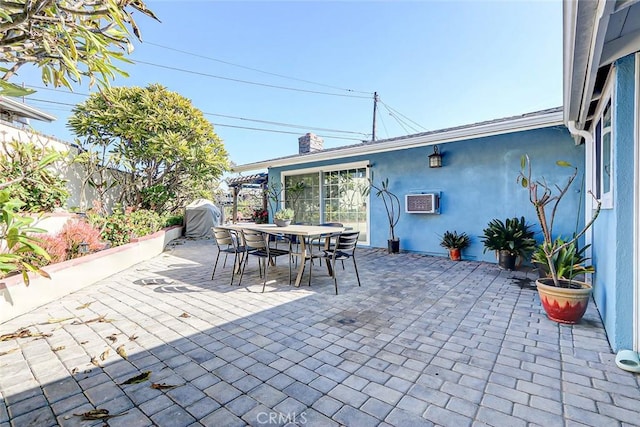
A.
pixel 310 143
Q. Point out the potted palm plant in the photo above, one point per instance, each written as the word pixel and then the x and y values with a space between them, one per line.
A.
pixel 564 299
pixel 392 207
pixel 455 242
pixel 510 239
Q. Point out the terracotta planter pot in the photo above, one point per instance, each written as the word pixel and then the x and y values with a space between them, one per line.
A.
pixel 564 305
pixel 454 254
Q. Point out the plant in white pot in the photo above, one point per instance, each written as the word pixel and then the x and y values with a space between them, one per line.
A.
pixel 283 217
pixel 564 299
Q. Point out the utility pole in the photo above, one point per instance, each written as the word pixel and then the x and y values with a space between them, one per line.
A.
pixel 375 107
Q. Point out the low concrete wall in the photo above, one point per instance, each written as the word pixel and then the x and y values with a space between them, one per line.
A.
pixel 53 222
pixel 66 277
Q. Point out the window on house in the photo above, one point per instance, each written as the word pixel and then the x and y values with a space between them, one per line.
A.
pixel 302 195
pixel 603 157
pixel 330 196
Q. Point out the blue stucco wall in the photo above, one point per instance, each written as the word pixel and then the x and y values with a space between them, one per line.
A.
pixel 613 230
pixel 477 182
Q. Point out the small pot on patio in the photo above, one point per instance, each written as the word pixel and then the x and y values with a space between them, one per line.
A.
pixel 507 260
pixel 393 246
pixel 510 239
pixel 454 242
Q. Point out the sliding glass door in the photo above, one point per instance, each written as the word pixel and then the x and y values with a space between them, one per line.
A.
pixel 343 200
pixel 302 194
pixel 329 196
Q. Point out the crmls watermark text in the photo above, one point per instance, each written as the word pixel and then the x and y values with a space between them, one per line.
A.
pixel 279 418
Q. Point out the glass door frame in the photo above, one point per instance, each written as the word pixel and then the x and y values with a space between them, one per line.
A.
pixel 332 168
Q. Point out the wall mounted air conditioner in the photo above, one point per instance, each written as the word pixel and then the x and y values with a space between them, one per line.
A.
pixel 422 203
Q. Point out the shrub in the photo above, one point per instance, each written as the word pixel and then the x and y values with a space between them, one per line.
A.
pixel 120 227
pixel 76 232
pixel 43 191
pixel 113 228
pixel 56 247
pixel 173 220
pixel 144 222
pixel 65 244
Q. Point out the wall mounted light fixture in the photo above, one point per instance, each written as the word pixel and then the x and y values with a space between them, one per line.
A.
pixel 435 159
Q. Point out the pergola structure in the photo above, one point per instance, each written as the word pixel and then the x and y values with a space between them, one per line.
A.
pixel 253 181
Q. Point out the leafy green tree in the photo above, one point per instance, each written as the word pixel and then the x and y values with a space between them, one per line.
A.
pixel 43 191
pixel 66 39
pixel 163 143
pixel 18 245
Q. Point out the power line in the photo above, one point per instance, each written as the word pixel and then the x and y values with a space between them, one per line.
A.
pixel 250 82
pixel 400 122
pixel 253 69
pixel 284 131
pixel 290 125
pixel 246 127
pixel 287 124
pixel 51 102
pixel 384 125
pixel 400 114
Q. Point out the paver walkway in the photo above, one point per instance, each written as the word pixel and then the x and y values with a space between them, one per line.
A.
pixel 424 341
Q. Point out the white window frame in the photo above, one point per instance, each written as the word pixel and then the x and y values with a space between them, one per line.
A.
pixel 607 98
pixel 636 216
pixel 331 168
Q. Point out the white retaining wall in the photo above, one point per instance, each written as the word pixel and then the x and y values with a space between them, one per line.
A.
pixel 66 277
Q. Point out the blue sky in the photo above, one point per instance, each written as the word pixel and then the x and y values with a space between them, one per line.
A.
pixel 435 64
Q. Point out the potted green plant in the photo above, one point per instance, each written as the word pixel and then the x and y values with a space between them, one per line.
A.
pixel 569 262
pixel 564 299
pixel 391 206
pixel 455 242
pixel 510 239
pixel 283 217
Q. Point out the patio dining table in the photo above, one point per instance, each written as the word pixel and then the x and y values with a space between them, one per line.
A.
pixel 304 231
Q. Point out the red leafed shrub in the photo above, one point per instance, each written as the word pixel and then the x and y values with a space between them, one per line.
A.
pixel 76 232
pixel 65 244
pixel 55 246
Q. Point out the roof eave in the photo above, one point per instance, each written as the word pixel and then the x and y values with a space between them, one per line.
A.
pixel 582 54
pixel 548 119
pixel 569 16
pixel 25 110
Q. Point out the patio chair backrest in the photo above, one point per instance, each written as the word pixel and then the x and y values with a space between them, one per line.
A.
pixel 254 239
pixel 347 242
pixel 223 236
pixel 332 224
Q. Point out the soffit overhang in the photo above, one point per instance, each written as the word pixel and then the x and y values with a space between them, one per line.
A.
pixel 536 120
pixel 21 109
pixel 595 35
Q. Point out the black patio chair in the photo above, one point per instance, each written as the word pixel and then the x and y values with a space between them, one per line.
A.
pixel 256 244
pixel 344 248
pixel 324 241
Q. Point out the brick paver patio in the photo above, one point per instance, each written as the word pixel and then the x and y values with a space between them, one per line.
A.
pixel 424 341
